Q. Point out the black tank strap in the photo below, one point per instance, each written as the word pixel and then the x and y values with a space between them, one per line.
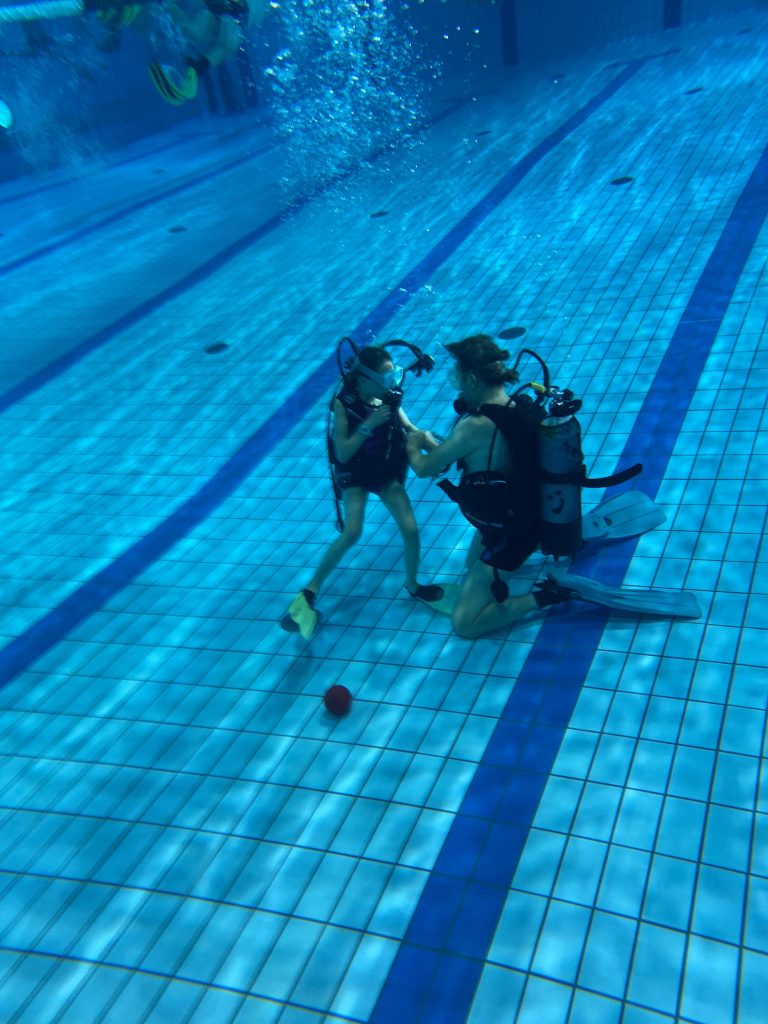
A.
pixel 615 478
pixel 450 489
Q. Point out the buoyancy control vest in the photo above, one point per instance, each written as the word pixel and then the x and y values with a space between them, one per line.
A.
pixel 547 446
pixel 382 456
pixel 494 500
pixel 548 472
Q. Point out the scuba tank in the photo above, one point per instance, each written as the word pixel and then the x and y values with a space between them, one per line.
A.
pixel 561 470
pixel 562 474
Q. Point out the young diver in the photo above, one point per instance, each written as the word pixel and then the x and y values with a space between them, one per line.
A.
pixel 499 493
pixel 367 449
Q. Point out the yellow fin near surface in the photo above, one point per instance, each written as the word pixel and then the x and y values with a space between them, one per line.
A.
pixel 174 87
pixel 118 17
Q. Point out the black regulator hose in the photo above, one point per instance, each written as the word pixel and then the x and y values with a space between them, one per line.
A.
pixel 540 361
pixel 423 362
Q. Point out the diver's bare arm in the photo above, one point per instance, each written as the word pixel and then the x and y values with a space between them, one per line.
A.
pixel 405 421
pixel 462 441
pixel 427 438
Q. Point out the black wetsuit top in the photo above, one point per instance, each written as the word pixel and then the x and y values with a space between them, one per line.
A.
pixel 381 458
pixel 504 505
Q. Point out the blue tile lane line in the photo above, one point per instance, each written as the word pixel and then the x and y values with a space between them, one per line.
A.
pixel 59 366
pixel 129 211
pixel 136 158
pixel 44 634
pixel 105 335
pixel 434 977
pixel 143 204
pixel 422 272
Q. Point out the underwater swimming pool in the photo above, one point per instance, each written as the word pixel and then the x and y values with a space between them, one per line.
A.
pixel 565 821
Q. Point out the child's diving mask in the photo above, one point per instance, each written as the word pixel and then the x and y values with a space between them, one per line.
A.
pixel 386 381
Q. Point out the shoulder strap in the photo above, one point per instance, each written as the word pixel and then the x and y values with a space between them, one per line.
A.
pixel 351 401
pixel 518 424
pixel 514 418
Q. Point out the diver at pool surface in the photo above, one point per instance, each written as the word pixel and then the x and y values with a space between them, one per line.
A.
pixel 212 32
pixel 367 453
pixel 186 37
pixel 521 475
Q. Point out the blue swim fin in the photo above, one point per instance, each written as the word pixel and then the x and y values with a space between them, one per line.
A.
pixel 663 604
pixel 626 515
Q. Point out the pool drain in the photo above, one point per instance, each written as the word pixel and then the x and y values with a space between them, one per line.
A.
pixel 511 332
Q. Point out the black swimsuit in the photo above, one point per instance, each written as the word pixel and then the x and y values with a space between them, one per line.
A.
pixel 502 505
pixel 381 459
pixel 495 504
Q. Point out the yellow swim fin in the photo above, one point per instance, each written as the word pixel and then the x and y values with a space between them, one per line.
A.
pixel 175 87
pixel 115 18
pixel 303 614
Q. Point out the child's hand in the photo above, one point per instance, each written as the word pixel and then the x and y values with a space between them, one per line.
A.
pixel 379 416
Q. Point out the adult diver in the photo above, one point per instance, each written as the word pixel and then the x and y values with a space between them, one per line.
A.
pixel 521 474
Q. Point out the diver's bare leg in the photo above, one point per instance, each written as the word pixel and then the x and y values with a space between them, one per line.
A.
pixel 474 551
pixel 355 499
pixel 398 504
pixel 477 612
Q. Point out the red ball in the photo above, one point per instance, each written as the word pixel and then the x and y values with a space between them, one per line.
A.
pixel 338 700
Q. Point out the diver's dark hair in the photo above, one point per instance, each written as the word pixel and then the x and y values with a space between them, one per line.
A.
pixel 373 357
pixel 480 354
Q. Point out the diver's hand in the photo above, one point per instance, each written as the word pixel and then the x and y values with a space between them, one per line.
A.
pixel 423 440
pixel 380 415
pixel 417 440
